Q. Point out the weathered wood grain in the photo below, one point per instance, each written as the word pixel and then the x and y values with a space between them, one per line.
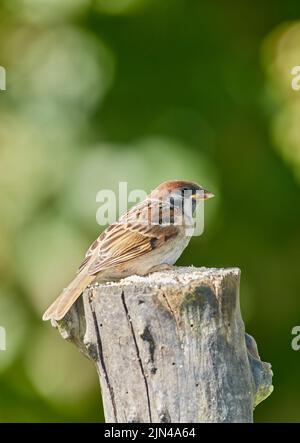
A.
pixel 171 347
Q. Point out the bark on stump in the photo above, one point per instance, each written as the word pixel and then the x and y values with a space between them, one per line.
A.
pixel 170 347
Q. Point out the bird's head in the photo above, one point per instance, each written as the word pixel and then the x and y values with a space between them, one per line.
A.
pixel 181 193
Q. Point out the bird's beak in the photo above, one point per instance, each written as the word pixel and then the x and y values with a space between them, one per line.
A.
pixel 202 195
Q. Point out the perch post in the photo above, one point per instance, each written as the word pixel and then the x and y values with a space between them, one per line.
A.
pixel 170 347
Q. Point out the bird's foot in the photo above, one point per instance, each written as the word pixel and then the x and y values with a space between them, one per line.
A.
pixel 161 268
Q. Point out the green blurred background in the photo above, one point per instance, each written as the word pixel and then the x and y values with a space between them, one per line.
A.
pixel 142 91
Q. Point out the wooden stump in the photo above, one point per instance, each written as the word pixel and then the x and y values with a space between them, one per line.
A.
pixel 170 347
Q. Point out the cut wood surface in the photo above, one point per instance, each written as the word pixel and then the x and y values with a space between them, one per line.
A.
pixel 170 347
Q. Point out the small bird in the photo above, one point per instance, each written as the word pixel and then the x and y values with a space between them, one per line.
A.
pixel 150 237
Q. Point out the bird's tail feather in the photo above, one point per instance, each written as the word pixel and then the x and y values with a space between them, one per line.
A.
pixel 65 300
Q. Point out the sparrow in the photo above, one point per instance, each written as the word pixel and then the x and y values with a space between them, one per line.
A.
pixel 150 237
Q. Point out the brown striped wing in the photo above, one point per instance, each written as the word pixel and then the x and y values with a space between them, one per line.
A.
pixel 142 229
